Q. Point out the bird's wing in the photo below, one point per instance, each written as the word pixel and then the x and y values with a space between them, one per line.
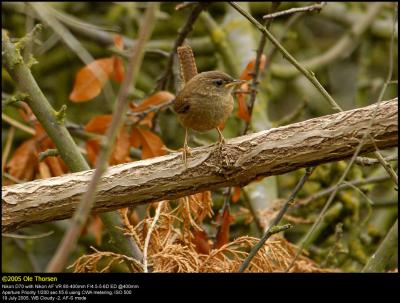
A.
pixel 181 105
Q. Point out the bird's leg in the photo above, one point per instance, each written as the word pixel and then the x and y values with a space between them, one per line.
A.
pixel 221 139
pixel 186 149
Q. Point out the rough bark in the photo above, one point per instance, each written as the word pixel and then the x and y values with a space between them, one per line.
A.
pixel 241 160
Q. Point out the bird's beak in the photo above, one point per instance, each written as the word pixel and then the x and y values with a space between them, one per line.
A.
pixel 235 82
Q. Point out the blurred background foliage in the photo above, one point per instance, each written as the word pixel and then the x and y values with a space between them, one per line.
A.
pixel 354 227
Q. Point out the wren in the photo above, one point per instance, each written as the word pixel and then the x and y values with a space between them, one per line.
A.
pixel 204 103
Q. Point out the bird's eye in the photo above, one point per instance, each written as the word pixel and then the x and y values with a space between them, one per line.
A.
pixel 218 82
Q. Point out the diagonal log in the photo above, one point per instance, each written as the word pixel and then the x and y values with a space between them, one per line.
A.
pixel 242 159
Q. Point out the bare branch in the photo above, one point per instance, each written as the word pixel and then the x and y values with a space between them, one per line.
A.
pixel 272 228
pixel 183 32
pixel 243 159
pixel 310 8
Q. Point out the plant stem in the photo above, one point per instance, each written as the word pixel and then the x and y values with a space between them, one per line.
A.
pixel 385 254
pixel 20 72
pixel 83 210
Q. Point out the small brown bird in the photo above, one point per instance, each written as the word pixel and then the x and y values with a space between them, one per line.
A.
pixel 204 103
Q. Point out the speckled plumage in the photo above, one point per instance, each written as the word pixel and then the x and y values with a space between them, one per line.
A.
pixel 203 105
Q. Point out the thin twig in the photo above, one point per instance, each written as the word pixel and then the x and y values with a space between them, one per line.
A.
pixel 308 74
pixel 48 153
pixel 183 5
pixel 147 240
pixel 341 187
pixel 365 161
pixel 31 257
pixel 292 116
pixel 152 109
pixel 310 8
pixel 386 252
pixel 277 219
pixel 12 178
pixel 289 23
pixel 385 164
pixel 183 32
pixel 345 45
pixel 256 71
pixel 18 124
pixel 83 210
pixel 7 147
pixel 27 237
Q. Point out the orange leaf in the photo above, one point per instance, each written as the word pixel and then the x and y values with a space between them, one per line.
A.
pixel 223 233
pixel 152 145
pixel 120 153
pixel 154 100
pixel 119 70
pixel 247 72
pixel 243 111
pixel 95 227
pixel 119 42
pixel 44 170
pixel 236 194
pixel 136 138
pixel 54 165
pixel 89 81
pixel 92 150
pixel 200 240
pixel 99 124
pixel 148 120
pixel 23 162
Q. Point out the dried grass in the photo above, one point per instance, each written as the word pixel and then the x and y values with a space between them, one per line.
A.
pixel 171 247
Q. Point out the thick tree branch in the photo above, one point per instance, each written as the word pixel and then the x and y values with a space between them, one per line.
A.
pixel 243 159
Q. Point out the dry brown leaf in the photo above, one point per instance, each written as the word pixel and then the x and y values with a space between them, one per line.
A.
pixel 247 72
pixel 236 194
pixel 88 84
pixel 24 161
pixel 243 111
pixel 151 144
pixel 201 242
pixel 223 233
pixel 120 152
pixel 119 70
pixel 99 124
pixel 92 150
pixel 119 42
pixel 44 170
pixel 55 166
pixel 156 99
pixel 96 227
